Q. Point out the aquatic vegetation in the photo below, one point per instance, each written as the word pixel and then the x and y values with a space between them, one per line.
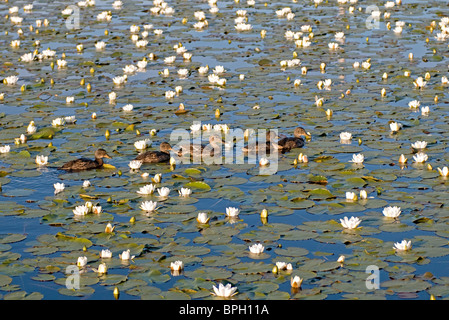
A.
pixel 302 221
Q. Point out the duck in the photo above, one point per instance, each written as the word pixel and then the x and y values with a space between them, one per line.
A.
pixel 192 149
pixel 297 141
pixel 156 156
pixel 268 146
pixel 87 164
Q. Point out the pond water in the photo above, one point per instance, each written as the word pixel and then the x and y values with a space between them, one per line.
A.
pixel 41 238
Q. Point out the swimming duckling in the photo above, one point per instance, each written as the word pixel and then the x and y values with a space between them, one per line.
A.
pixel 297 141
pixel 267 146
pixel 156 156
pixel 87 164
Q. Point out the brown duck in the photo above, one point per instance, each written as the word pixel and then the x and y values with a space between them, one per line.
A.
pixel 87 164
pixel 156 156
pixel 297 141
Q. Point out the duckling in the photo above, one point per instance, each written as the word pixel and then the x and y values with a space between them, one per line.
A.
pixel 87 164
pixel 156 156
pixel 268 146
pixel 297 141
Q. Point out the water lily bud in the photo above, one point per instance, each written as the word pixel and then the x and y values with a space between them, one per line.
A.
pixel 435 99
pixel 84 249
pixel 132 220
pixel 107 134
pixel 432 297
pixel 429 167
pixel 385 76
pixel 92 70
pixel 383 92
pixel 23 88
pixel 89 87
pixel 264 213
pixel 360 141
pixel 341 259
pixel 217 113
pixel 106 32
pixel 116 293
pixel 410 56
pixel 52 82
pixel 427 76
pixel 275 270
pixel 82 82
pixel 94 116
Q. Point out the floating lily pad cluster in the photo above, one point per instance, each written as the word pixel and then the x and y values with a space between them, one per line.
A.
pixel 116 75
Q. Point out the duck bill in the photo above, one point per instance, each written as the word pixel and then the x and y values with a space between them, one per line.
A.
pixel 107 156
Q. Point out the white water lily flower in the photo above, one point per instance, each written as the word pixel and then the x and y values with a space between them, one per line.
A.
pixel 232 212
pixel 296 282
pixel 357 158
pixel 128 108
pixel 351 196
pixel 169 60
pixel 97 209
pixel 41 160
pixel 169 94
pixel 163 192
pixel 263 162
pixel 157 178
pixel 81 261
pixel 61 63
pixel 142 144
pixel 185 192
pixel 203 69
pixel 86 184
pixel 148 206
pixel 129 68
pixel 224 291
pixel 177 265
pixel 392 212
pixel 135 164
pixel 5 149
pixel 187 56
pixel 100 45
pixel 27 57
pixel 102 268
pixel 31 128
pixel 106 254
pixel 81 210
pixel 420 157
pixel 125 255
pixel 142 64
pixel 419 83
pixel 147 189
pixel 363 194
pixel 414 104
pixel 141 43
pixel 419 145
pixel 257 248
pixel 202 218
pixel 183 72
pixel 443 172
pixel 341 259
pixel 219 70
pixel 213 78
pixel 404 245
pixel 119 80
pixel 351 223
pixel 112 97
pixel 333 45
pixel 70 119
pixel 345 136
pixel 59 187
pixel 395 126
pixel 425 110
pixel 58 122
pixel 11 80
